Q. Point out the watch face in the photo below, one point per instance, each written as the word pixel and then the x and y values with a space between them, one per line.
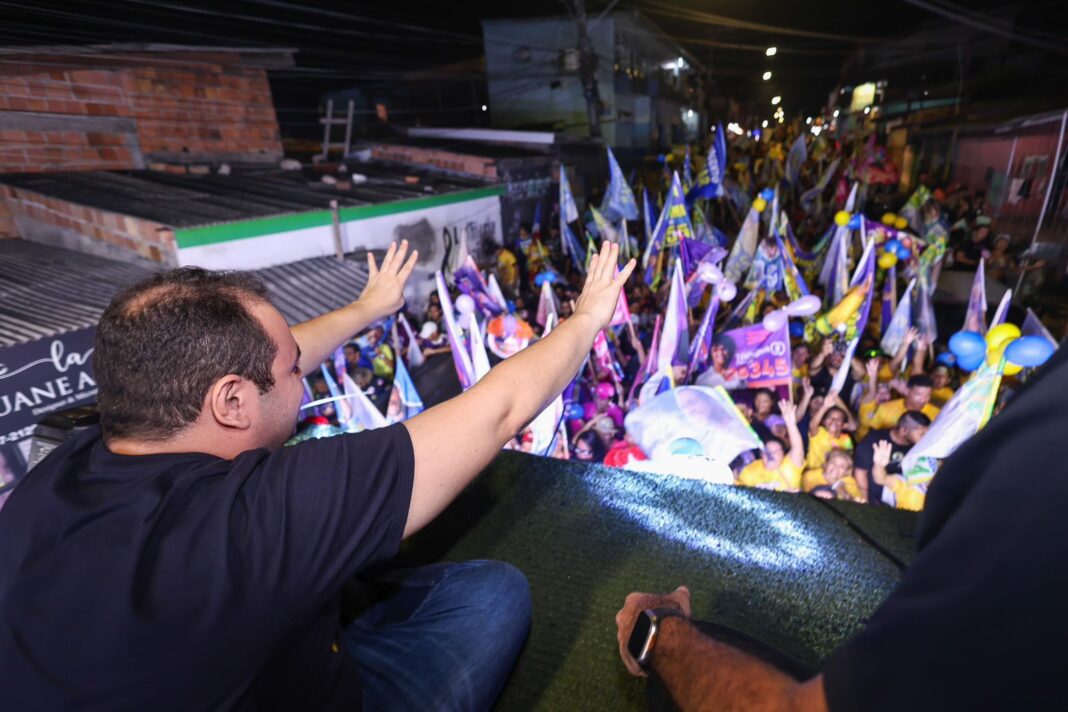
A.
pixel 640 634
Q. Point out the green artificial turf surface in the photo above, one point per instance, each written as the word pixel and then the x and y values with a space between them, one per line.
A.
pixel 784 568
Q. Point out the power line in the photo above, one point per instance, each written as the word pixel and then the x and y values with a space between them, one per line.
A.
pixel 986 26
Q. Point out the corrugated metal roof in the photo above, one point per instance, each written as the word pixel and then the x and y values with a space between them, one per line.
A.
pixel 182 201
pixel 45 291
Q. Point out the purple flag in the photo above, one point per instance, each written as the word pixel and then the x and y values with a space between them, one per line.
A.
pixel 702 342
pixel 465 370
pixel 675 339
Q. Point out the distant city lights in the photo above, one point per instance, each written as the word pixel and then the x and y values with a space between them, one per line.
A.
pixel 867 110
pixel 771 51
pixel 775 100
pixel 764 123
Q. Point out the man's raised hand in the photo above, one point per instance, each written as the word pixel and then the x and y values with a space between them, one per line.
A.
pixel 384 293
pixel 600 294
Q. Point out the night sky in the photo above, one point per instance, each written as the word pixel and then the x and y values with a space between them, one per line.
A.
pixel 342 44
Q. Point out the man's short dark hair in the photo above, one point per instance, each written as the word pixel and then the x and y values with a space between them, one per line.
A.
pixel 920 381
pixel 164 341
pixel 911 419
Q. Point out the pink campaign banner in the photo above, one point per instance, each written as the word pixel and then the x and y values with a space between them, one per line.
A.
pixel 761 359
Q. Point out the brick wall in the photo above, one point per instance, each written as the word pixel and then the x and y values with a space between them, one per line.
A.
pixel 65 224
pixel 445 160
pixel 106 118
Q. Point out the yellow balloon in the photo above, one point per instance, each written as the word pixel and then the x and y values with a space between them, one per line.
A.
pixel 841 218
pixel 889 219
pixel 887 260
pixel 901 223
pixel 994 357
pixel 1001 334
pixel 759 204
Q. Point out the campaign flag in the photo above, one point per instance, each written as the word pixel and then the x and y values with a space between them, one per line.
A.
pixel 707 415
pixel 479 358
pixel 621 316
pixel 888 301
pixel 741 257
pixel 675 339
pixel 604 230
pixel 568 210
pixel 1033 326
pixel 702 341
pixel 343 408
pixel 692 253
pixel 838 383
pixel 673 226
pixel 409 404
pixel 1002 312
pixel 865 274
pixel 461 358
pixel 469 281
pixel 975 318
pixel 761 358
pixel 797 156
pixel 362 413
pixel 543 428
pixel 894 334
pixel 710 181
pixel 925 313
pixel 547 305
pixel 494 289
pixel 572 247
pixel 810 197
pixel 961 417
pixel 603 359
pixel 618 203
pixel 740 310
pixel 649 210
pixel 911 211
pixel 414 353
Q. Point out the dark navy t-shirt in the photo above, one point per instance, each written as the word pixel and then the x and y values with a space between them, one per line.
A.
pixel 182 582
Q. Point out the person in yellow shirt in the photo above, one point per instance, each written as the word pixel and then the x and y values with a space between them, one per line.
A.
pixel 507 270
pixel 917 397
pixel 905 496
pixel 941 391
pixel 777 469
pixel 836 475
pixel 828 431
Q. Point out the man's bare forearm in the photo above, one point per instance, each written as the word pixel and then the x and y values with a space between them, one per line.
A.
pixel 703 674
pixel 319 337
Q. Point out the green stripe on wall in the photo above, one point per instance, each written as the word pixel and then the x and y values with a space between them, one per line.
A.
pixel 225 232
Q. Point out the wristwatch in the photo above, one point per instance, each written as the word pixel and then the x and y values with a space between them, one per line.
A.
pixel 646 628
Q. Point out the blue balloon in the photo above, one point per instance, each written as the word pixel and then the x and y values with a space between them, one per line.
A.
pixel 661 158
pixel 686 446
pixel 966 345
pixel 903 253
pixel 892 246
pixel 797 329
pixel 768 194
pixel 971 363
pixel 855 222
pixel 1029 351
pixel 575 411
pixel 946 359
pixel 547 276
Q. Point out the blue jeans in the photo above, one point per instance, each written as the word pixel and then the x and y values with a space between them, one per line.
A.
pixel 443 637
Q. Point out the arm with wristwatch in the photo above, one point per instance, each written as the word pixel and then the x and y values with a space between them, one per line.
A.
pixel 657 638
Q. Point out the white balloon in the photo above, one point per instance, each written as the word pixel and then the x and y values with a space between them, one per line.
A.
pixel 709 273
pixel 466 318
pixel 726 291
pixel 775 320
pixel 805 306
pixel 465 304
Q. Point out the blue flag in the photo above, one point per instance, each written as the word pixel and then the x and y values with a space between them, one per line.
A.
pixel 618 203
pixel 687 171
pixel 798 155
pixel 710 180
pixel 568 210
pixel 674 225
pixel 404 401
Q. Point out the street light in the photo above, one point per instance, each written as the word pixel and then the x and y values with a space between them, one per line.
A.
pixel 771 51
pixel 808 120
pixel 767 76
pixel 485 108
pixel 835 114
pixel 867 109
pixel 775 100
pixel 764 123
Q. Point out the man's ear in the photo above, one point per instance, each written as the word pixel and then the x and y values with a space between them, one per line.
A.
pixel 229 402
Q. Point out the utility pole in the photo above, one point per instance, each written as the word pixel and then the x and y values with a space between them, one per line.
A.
pixel 588 69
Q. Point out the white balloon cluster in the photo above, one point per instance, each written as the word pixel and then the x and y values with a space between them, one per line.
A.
pixel 465 307
pixel 711 274
pixel 805 306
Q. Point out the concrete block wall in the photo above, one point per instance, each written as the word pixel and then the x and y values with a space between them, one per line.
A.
pixel 109 118
pixel 64 224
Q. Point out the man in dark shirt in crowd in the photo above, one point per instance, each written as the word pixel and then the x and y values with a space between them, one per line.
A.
pixel 178 558
pixel 911 426
pixel 975 622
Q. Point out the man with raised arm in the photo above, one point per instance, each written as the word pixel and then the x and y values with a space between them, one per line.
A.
pixel 178 558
